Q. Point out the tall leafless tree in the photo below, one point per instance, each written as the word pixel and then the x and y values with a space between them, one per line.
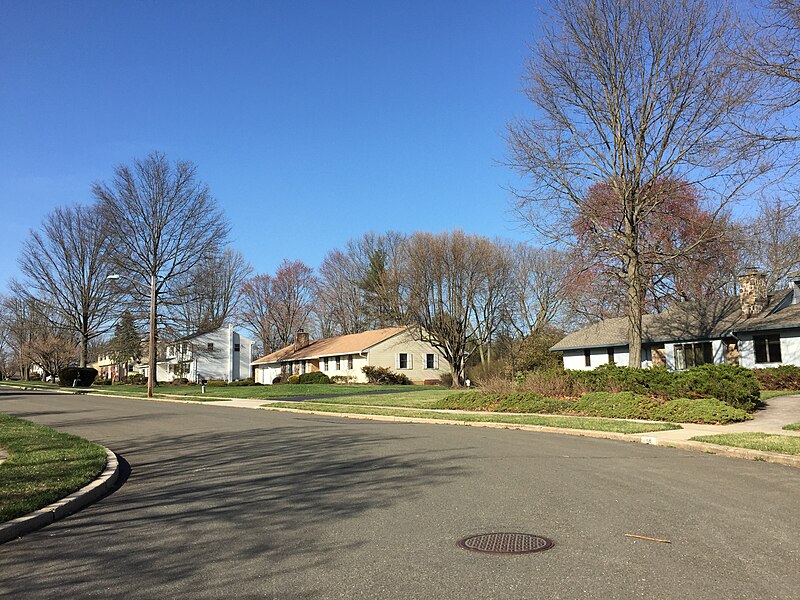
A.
pixel 65 266
pixel 540 281
pixel 630 93
pixel 293 291
pixel 772 239
pixel 209 295
pixel 447 290
pixel 257 310
pixel 163 222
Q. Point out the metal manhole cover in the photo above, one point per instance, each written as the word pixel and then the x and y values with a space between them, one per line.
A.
pixel 505 543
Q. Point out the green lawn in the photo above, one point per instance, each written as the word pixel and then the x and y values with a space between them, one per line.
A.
pixel 792 427
pixel 255 391
pixel 44 465
pixel 768 442
pixel 563 422
pixel 767 394
pixel 420 398
pixel 36 384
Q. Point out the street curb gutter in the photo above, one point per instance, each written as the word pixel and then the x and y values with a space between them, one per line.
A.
pixel 704 447
pixel 729 451
pixel 85 496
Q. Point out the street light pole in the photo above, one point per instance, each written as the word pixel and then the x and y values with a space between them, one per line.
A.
pixel 151 367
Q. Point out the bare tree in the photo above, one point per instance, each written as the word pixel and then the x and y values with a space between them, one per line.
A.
pixel 163 222
pixel 341 307
pixel 358 288
pixel 771 47
pixel 540 280
pixel 65 265
pixel 771 240
pixel 209 294
pixel 257 310
pixel 292 299
pixel 446 288
pixel 630 93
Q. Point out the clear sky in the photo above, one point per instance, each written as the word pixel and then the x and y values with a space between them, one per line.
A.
pixel 311 122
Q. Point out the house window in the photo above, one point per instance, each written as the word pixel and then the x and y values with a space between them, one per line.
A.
pixel 587 357
pixel 693 355
pixel 350 361
pixel 302 367
pixel 610 352
pixel 403 360
pixel 768 348
pixel 430 361
pixel 210 346
pixel 325 364
pixel 236 347
pixel 338 363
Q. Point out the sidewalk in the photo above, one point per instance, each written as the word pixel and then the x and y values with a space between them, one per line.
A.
pixel 778 412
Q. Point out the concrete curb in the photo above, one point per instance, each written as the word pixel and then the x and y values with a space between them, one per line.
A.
pixel 704 447
pixel 85 496
pixel 729 451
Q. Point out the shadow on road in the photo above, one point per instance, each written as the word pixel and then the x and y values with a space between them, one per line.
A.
pixel 200 506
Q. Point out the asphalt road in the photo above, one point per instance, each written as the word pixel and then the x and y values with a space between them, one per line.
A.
pixel 238 503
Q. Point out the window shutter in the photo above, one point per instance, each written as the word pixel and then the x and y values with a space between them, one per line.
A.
pixel 397 361
pixel 410 360
pixel 435 361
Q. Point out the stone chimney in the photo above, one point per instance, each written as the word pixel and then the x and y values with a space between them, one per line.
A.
pixel 301 339
pixel 752 292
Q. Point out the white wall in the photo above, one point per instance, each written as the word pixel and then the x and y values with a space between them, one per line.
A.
pixel 575 359
pixel 790 349
pixel 265 373
pixel 355 373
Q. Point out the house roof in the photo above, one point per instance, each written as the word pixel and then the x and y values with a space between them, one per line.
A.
pixel 353 343
pixel 689 321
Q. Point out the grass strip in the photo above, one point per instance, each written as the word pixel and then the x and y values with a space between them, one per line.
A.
pixel 43 466
pixel 415 399
pixel 792 427
pixel 767 442
pixel 767 394
pixel 561 422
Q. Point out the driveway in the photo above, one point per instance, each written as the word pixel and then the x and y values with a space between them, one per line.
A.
pixel 226 502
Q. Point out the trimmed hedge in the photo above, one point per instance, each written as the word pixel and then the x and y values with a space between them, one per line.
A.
pixel 293 379
pixel 785 377
pixel 620 405
pixel 730 383
pixel 79 376
pixel 384 376
pixel 314 377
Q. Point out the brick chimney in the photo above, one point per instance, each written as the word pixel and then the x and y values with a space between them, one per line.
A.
pixel 752 292
pixel 301 339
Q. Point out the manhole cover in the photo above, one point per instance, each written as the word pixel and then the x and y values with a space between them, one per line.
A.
pixel 505 543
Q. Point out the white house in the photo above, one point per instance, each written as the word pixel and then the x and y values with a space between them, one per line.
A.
pixel 344 356
pixel 757 330
pixel 216 354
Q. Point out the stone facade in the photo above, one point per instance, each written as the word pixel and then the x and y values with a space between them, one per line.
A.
pixel 752 292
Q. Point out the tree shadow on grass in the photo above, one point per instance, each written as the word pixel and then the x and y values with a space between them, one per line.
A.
pixel 219 514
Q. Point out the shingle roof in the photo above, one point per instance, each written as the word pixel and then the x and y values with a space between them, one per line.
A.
pixel 688 321
pixel 341 344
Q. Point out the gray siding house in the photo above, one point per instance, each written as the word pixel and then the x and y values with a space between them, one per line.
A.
pixel 756 330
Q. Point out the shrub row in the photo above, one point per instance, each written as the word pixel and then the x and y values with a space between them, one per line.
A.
pixel 384 376
pixel 314 377
pixel 620 405
pixel 785 377
pixel 732 384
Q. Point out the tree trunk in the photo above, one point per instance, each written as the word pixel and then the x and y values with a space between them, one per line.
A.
pixel 151 361
pixel 633 280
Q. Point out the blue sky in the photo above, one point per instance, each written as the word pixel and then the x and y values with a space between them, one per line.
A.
pixel 311 122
